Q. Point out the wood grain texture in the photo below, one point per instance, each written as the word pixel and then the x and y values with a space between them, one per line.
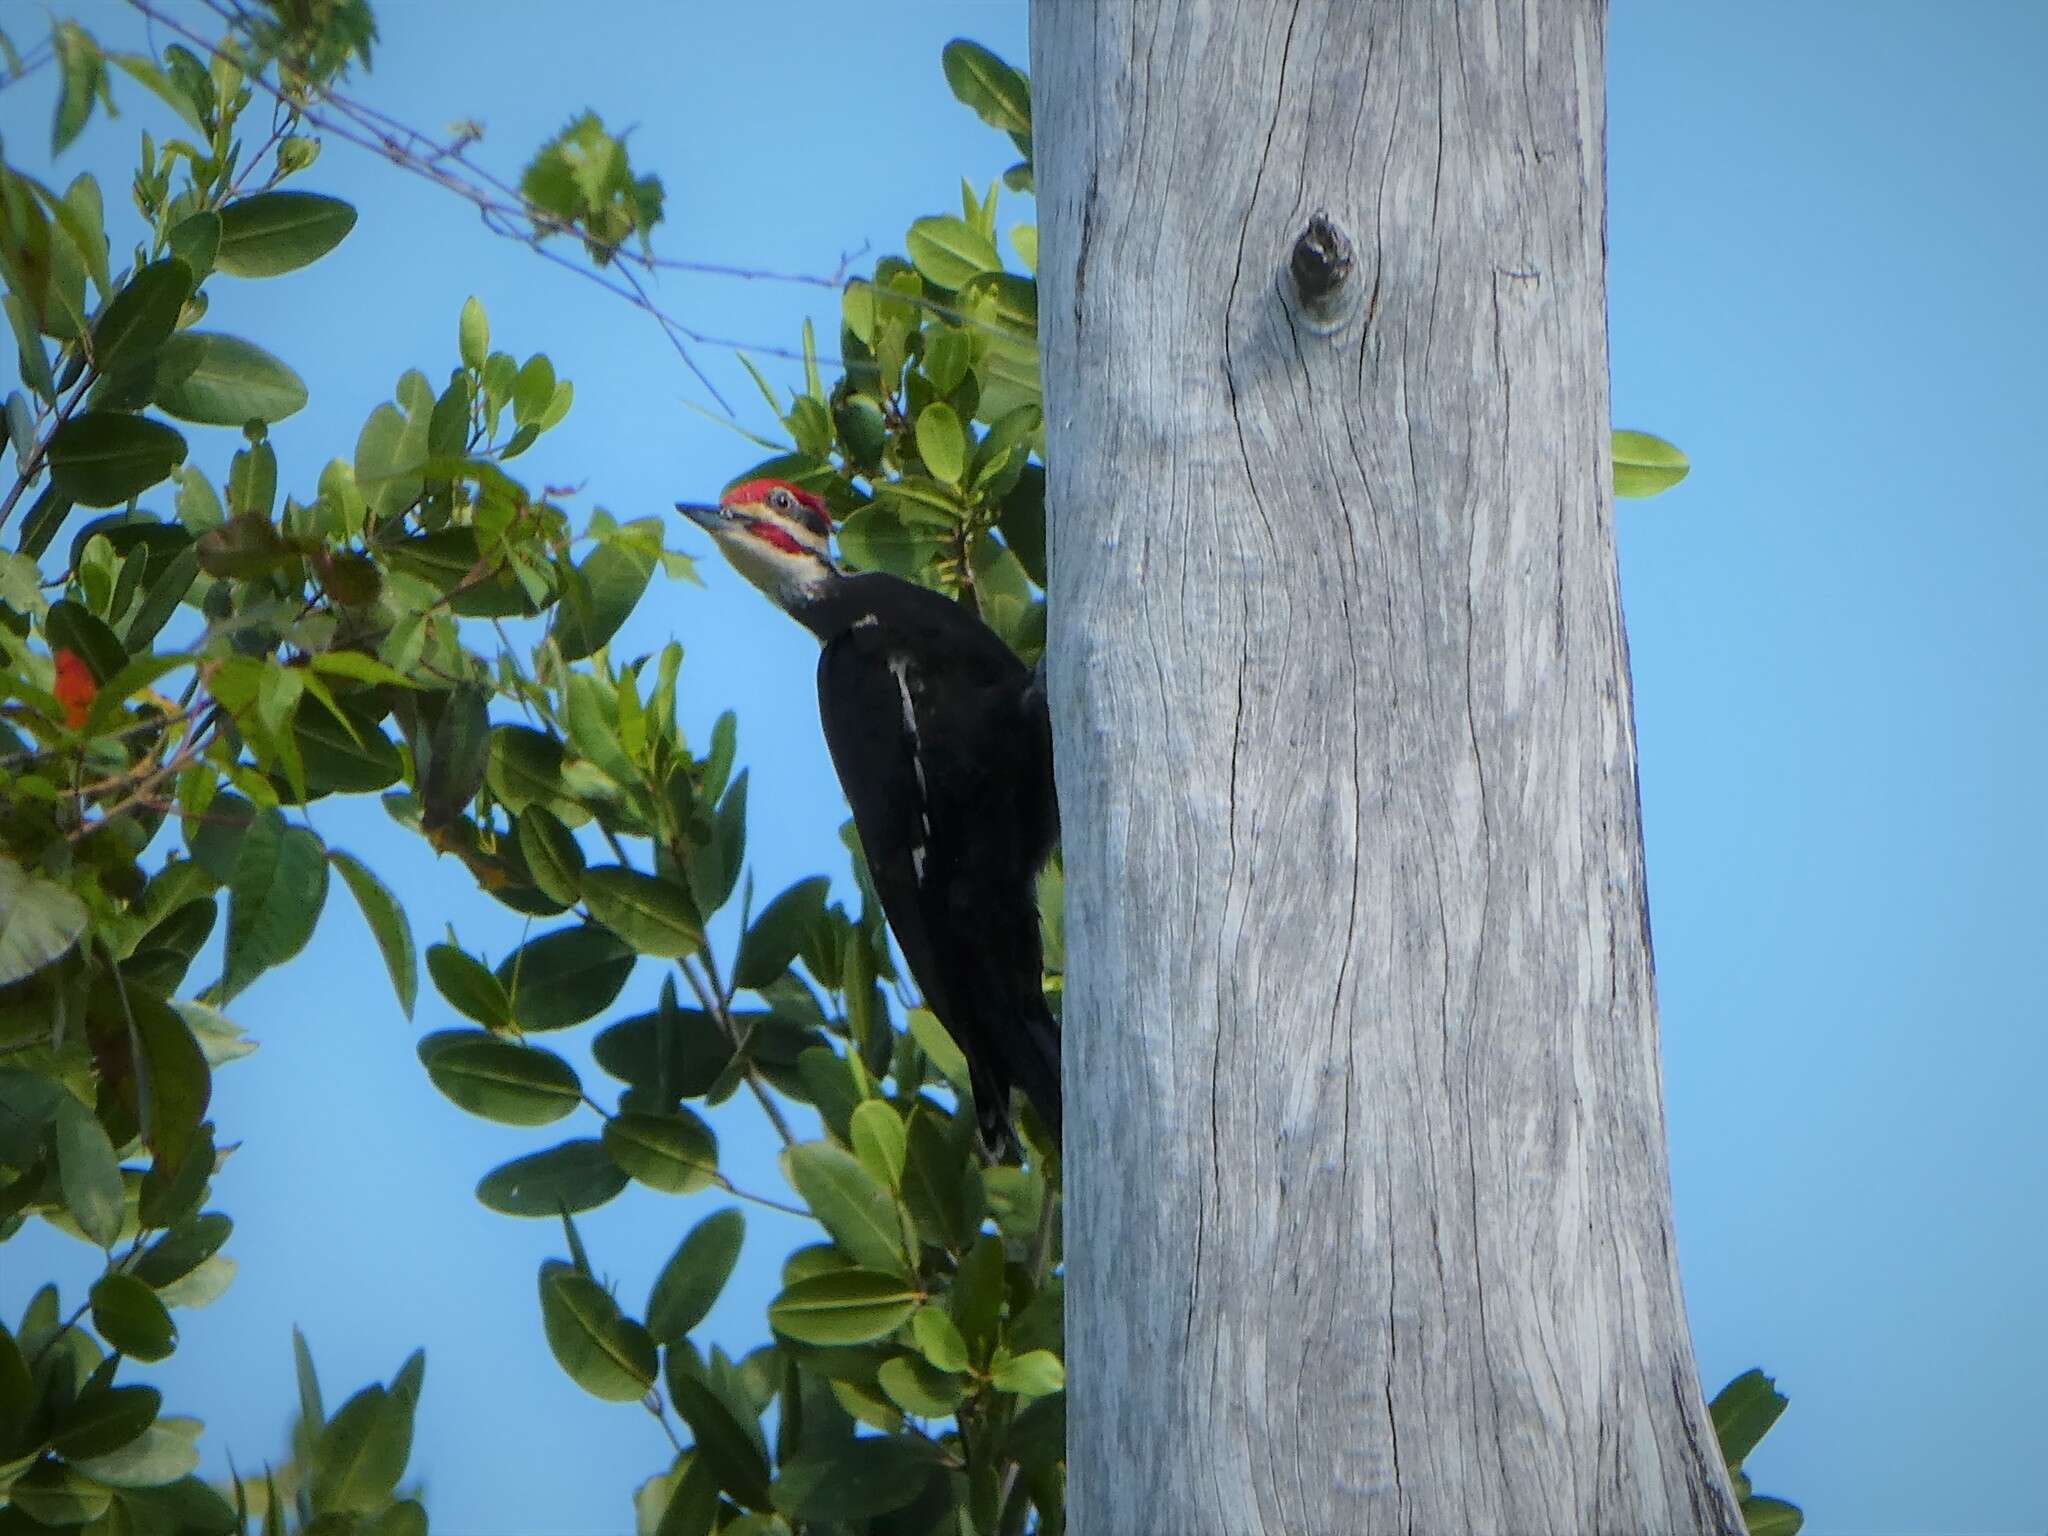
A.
pixel 1369 1224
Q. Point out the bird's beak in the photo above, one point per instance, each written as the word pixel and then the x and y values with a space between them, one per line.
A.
pixel 710 519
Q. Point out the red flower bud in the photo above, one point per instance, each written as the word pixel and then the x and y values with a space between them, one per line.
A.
pixel 76 687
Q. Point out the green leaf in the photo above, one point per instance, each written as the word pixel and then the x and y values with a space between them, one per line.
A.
pixel 714 867
pixel 653 915
pixel 552 855
pixel 144 72
pixel 274 900
pixel 171 1193
pixel 941 1189
pixel 1023 520
pixel 1036 1373
pixel 880 1141
pixel 1743 1413
pixel 1025 238
pixel 361 1453
pixel 172 1083
pixel 525 766
pixel 674 1152
pixel 582 177
pixel 511 1084
pixel 575 1176
pixel 779 932
pixel 694 1275
pixel 308 1381
pixel 565 977
pixel 71 627
pixel 1038 1434
pixel 411 1378
pixel 843 1306
pixel 381 910
pixel 19 1396
pixel 938 1339
pixel 977 1296
pixel 389 451
pixel 39 921
pixel 857 1479
pixel 942 442
pixel 604 1352
pixel 274 232
pixel 342 744
pixel 918 1389
pixel 52 1494
pixel 166 590
pixel 999 95
pixel 877 539
pixel 722 1440
pixel 936 1043
pixel 142 315
pixel 683 1501
pixel 196 241
pixel 81 77
pixel 206 377
pixel 855 1207
pixel 206 1284
pixel 948 353
pixel 407 1517
pixel 474 334
pixel 181 1250
pixel 243 548
pixel 672 1052
pixel 104 458
pixel 533 390
pixel 597 599
pixel 103 1421
pixel 128 1316
pixel 357 666
pixel 1645 465
pixel 161 1455
pixel 1765 1516
pixel 89 1172
pixel 469 987
pixel 948 252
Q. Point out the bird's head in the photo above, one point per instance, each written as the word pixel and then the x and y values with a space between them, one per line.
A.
pixel 778 537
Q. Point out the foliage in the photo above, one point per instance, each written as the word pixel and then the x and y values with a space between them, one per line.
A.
pixel 411 620
pixel 1743 1413
pixel 179 685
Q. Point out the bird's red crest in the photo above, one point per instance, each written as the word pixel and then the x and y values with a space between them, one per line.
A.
pixel 748 492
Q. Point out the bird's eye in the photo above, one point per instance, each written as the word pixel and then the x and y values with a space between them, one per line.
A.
pixel 779 500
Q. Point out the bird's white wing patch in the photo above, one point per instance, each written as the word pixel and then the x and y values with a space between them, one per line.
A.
pixel 899 668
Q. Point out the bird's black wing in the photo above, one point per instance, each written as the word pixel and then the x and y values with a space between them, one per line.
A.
pixel 860 708
pixel 946 764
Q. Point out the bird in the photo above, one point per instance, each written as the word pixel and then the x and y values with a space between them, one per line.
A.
pixel 942 742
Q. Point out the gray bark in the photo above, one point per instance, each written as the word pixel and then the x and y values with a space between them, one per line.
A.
pixel 1369 1223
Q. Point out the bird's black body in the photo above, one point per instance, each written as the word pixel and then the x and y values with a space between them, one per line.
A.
pixel 942 743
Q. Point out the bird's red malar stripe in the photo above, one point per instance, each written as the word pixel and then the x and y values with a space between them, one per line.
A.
pixel 780 538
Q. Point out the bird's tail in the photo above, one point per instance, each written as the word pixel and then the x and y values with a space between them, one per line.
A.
pixel 1020 1049
pixel 1033 1052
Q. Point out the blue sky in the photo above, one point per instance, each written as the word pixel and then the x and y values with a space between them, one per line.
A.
pixel 1826 236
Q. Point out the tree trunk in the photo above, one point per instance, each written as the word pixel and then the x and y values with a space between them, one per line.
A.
pixel 1369 1223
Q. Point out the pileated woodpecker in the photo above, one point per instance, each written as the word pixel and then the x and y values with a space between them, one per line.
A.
pixel 944 748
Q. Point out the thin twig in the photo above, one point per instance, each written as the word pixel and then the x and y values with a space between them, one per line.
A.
pixel 504 209
pixel 39 54
pixel 653 1404
pixel 774 1205
pixel 723 1017
pixel 58 414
